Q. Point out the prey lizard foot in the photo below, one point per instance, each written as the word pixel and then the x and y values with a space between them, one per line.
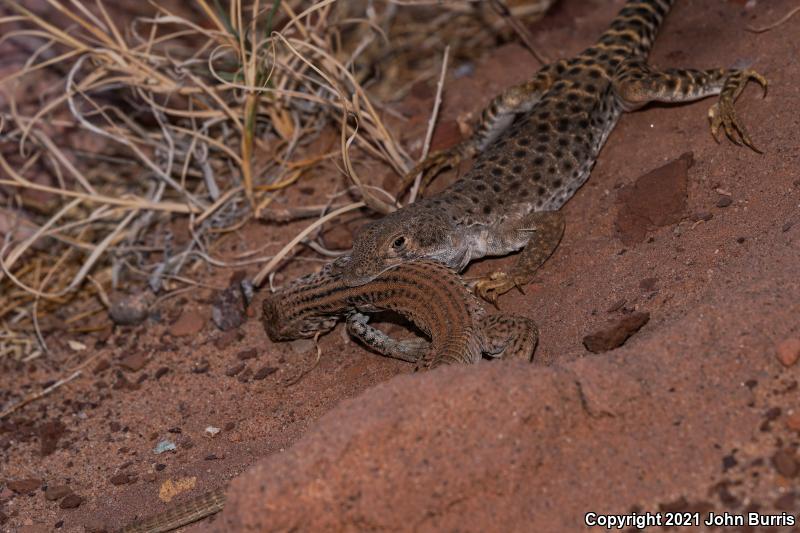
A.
pixel 723 113
pixel 495 284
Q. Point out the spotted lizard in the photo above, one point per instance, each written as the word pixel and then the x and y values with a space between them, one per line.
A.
pixel 427 293
pixel 534 147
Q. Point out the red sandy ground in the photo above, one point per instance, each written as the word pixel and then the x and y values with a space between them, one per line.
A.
pixel 694 413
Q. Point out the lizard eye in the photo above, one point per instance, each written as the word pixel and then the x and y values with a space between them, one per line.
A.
pixel 399 243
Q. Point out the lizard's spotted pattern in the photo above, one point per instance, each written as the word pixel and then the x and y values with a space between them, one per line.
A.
pixel 535 146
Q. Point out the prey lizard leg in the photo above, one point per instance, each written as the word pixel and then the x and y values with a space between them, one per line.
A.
pixel 635 84
pixel 509 337
pixel 546 229
pixel 410 350
pixel 495 119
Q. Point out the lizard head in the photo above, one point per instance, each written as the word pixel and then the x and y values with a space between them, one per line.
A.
pixel 406 235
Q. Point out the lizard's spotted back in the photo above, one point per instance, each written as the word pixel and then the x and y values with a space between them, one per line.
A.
pixel 535 146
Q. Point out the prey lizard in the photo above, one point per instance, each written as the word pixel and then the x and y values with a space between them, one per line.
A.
pixel 534 147
pixel 428 294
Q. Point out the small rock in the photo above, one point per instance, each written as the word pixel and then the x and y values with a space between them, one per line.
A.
pixel 724 201
pixel 164 446
pixel 786 227
pixel 133 362
pixel 129 310
pixel 728 462
pixel 71 501
pixel 263 372
pixel 101 365
pixel 235 369
pixel 228 307
pixel 616 335
pixel 120 479
pixel 793 421
pixel 201 367
pixel 247 354
pixel 785 463
pixel 150 477
pixel 161 371
pixel 789 352
pixel 226 339
pixel 57 492
pixel 705 216
pixel 230 426
pixel 190 322
pixel 24 486
pixel 740 240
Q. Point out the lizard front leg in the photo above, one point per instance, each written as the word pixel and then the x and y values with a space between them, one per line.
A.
pixel 509 337
pixel 495 119
pixel 411 350
pixel 546 229
pixel 635 84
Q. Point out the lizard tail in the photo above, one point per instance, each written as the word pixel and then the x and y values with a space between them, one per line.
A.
pixel 636 26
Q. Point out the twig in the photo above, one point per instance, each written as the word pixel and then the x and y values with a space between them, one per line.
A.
pixel 774 25
pixel 431 124
pixel 264 272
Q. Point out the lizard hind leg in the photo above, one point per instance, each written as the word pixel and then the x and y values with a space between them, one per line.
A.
pixel 509 337
pixel 546 229
pixel 635 84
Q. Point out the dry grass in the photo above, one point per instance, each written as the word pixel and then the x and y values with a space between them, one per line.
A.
pixel 200 112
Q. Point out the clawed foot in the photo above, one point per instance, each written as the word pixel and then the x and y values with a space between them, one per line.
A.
pixel 723 113
pixel 497 283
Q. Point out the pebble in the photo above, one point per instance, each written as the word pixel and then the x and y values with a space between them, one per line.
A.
pixel 226 339
pixel 793 421
pixel 788 352
pixel 57 492
pixel 25 486
pixel 101 365
pixel 724 201
pixel 235 369
pixel 785 463
pixel 190 322
pixel 129 310
pixel 120 479
pixel 247 354
pixel 201 367
pixel 71 501
pixel 161 371
pixel 49 435
pixel 263 372
pixel 228 308
pixel 616 335
pixel 134 362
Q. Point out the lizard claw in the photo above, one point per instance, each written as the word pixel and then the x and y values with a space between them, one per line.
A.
pixel 722 115
pixel 497 283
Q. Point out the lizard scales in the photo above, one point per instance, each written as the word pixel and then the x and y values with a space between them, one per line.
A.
pixel 535 146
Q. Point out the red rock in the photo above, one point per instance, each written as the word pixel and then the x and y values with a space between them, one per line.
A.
pixel 134 362
pixel 789 351
pixel 190 322
pixel 120 479
pixel 57 492
pixel 71 501
pixel 656 199
pixel 793 421
pixel 24 486
pixel 616 335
